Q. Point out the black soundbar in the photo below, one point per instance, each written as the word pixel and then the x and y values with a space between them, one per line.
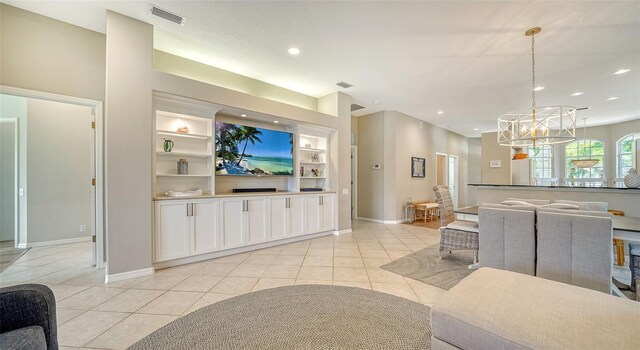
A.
pixel 244 190
pixel 310 189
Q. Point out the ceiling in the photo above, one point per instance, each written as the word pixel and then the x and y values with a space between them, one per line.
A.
pixel 469 59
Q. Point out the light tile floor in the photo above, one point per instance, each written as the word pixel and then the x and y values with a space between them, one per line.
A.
pixel 93 315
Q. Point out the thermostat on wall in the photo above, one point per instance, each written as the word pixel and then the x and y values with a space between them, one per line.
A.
pixel 376 167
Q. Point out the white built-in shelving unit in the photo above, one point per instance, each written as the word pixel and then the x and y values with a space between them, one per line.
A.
pixel 313 155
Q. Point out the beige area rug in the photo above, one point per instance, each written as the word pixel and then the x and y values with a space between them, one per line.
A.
pixel 426 266
pixel 300 317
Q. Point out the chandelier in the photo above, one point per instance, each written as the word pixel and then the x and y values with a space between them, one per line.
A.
pixel 537 125
pixel 585 163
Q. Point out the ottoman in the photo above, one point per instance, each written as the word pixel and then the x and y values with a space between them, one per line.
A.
pixel 497 309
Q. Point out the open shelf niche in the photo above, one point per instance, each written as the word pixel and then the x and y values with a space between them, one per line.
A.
pixel 189 126
pixel 313 156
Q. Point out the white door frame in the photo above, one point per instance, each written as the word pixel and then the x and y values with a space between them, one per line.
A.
pixel 354 179
pixel 96 109
pixel 14 121
pixel 456 191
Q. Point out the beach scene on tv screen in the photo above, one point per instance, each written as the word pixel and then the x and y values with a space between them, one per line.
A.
pixel 247 150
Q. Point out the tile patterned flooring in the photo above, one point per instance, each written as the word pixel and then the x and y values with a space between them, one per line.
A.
pixel 94 315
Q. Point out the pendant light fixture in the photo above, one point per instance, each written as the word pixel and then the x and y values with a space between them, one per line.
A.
pixel 537 125
pixel 585 163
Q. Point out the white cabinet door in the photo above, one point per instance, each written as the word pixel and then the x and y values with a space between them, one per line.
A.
pixel 172 227
pixel 279 227
pixel 232 222
pixel 256 219
pixel 313 213
pixel 326 219
pixel 297 216
pixel 204 221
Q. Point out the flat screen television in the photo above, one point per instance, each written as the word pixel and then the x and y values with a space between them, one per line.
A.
pixel 251 151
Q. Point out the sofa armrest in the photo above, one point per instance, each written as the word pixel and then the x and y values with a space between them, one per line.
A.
pixel 29 305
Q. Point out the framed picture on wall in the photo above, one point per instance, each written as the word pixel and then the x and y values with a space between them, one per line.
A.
pixel 417 167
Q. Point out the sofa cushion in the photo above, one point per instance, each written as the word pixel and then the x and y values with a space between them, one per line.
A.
pixel 27 338
pixel 526 206
pixel 560 206
pixel 497 309
pixel 592 206
pixel 463 225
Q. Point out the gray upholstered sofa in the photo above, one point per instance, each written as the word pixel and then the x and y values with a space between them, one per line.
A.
pixel 498 309
pixel 28 318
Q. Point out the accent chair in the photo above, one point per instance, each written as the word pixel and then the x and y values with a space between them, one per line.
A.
pixel 455 234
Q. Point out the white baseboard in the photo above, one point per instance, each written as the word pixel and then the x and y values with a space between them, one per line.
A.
pixel 341 232
pixel 22 245
pixel 60 241
pixel 129 274
pixel 378 221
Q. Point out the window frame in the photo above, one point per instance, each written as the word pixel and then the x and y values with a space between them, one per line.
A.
pixel 601 165
pixel 620 170
pixel 546 154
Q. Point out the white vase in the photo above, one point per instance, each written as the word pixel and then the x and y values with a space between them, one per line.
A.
pixel 632 180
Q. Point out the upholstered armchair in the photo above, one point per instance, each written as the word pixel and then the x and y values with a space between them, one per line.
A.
pixel 455 234
pixel 28 318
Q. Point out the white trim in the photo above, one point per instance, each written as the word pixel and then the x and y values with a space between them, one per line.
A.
pixel 21 245
pixel 354 178
pixel 378 221
pixel 60 241
pixel 342 232
pixel 129 274
pixel 97 108
pixel 16 208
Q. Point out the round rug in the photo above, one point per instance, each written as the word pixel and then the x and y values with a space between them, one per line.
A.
pixel 300 317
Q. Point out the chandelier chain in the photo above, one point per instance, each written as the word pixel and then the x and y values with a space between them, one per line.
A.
pixel 533 79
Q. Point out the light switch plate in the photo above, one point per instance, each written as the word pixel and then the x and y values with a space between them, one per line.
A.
pixel 345 191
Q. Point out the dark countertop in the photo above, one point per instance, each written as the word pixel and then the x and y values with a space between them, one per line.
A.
pixel 547 187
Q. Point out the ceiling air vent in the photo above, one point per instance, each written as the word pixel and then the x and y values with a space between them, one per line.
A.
pixel 355 107
pixel 156 11
pixel 342 84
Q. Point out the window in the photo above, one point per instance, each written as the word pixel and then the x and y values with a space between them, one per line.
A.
pixel 541 161
pixel 585 149
pixel 624 150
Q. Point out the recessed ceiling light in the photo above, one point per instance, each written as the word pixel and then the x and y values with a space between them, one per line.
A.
pixel 243 115
pixel 440 112
pixel 538 88
pixel 376 102
pixel 476 129
pixel 294 51
pixel 613 98
pixel 275 121
pixel 577 93
pixel 622 71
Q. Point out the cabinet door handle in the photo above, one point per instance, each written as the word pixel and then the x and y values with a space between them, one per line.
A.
pixel 288 203
pixel 245 205
pixel 189 209
pixel 193 212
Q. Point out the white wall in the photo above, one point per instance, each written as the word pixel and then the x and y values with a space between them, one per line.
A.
pixel 474 173
pixel 59 170
pixel 8 148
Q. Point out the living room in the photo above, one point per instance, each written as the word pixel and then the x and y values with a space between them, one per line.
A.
pixel 428 118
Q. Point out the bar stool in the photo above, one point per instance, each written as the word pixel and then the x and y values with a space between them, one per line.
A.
pixel 618 244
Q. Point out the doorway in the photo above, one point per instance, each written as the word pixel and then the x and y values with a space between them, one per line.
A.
pixel 59 184
pixel 441 169
pixel 354 182
pixel 8 181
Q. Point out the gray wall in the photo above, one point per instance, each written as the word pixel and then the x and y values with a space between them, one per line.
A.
pixel 391 138
pixel 59 170
pixel 43 54
pixel 371 151
pixel 491 150
pixel 8 148
pixel 128 144
pixel 474 162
